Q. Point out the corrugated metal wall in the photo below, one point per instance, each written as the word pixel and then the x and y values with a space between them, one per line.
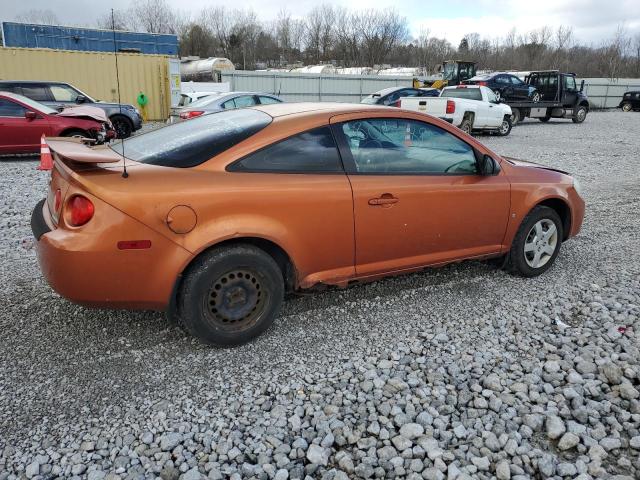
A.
pixel 298 87
pixel 607 93
pixel 95 74
pixel 302 87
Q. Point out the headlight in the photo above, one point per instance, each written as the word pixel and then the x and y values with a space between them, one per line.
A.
pixel 577 187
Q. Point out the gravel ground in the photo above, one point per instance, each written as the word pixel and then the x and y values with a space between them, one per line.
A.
pixel 460 372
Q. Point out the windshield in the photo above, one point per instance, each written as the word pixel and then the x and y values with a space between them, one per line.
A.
pixel 195 141
pixel 36 105
pixel 450 71
pixel 371 99
pixel 468 93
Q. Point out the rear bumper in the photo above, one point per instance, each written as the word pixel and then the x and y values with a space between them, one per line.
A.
pixel 86 266
pixel 450 120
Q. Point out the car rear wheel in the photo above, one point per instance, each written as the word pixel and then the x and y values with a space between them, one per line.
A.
pixel 545 119
pixel 122 125
pixel 466 126
pixel 536 244
pixel 626 107
pixel 535 97
pixel 231 295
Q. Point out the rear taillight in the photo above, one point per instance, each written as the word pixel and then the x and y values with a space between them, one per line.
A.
pixel 57 200
pixel 451 106
pixel 482 84
pixel 190 114
pixel 80 210
pixel 397 103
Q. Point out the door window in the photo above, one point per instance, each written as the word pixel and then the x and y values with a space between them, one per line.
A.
pixel 569 83
pixel 244 101
pixel 502 79
pixel 516 81
pixel 34 92
pixel 11 109
pixel 314 151
pixel 407 147
pixel 63 93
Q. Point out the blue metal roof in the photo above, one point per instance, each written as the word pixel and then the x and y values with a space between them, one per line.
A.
pixel 92 40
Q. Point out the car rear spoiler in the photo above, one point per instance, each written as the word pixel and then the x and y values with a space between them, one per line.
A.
pixel 75 150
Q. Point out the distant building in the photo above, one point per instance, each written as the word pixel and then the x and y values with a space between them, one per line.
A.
pixel 26 35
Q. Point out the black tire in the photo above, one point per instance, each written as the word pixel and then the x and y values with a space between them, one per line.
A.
pixel 545 119
pixel 76 133
pixel 515 116
pixel 517 260
pixel 626 107
pixel 580 114
pixel 466 126
pixel 122 125
pixel 230 295
pixel 505 128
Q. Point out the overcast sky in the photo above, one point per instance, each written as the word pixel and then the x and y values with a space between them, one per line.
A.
pixel 592 20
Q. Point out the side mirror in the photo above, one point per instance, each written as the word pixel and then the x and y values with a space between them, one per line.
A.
pixel 30 115
pixel 487 166
pixel 81 99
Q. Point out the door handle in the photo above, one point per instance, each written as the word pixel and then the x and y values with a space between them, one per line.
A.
pixel 384 200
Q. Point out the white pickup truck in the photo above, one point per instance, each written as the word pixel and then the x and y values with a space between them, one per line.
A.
pixel 468 107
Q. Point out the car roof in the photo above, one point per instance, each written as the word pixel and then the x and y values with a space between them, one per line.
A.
pixel 462 87
pixel 282 109
pixel 387 91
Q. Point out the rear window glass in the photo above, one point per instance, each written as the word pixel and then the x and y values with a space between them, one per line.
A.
pixel 192 142
pixel 468 93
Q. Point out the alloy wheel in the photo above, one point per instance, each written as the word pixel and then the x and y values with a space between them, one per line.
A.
pixel 541 243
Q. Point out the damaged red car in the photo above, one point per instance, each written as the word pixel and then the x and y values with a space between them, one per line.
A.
pixel 23 122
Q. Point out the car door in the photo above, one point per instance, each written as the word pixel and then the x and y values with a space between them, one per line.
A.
pixel 417 197
pixel 569 91
pixel 493 118
pixel 18 133
pixel 520 89
pixel 299 185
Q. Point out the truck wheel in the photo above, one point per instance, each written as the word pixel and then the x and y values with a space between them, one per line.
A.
pixel 537 243
pixel 466 126
pixel 76 134
pixel 545 119
pixel 515 116
pixel 626 107
pixel 505 128
pixel 580 114
pixel 230 295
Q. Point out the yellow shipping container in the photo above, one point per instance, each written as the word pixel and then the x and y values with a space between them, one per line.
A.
pixel 95 74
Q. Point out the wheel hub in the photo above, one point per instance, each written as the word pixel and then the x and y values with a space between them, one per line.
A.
pixel 236 298
pixel 540 243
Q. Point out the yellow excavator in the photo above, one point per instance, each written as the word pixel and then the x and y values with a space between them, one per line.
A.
pixel 453 72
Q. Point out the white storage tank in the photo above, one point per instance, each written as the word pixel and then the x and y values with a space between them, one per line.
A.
pixel 205 69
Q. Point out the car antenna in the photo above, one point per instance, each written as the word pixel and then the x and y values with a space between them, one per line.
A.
pixel 115 53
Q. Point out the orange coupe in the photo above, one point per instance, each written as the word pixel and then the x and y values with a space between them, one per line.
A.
pixel 214 219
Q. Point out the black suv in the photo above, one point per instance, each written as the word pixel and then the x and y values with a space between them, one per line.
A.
pixel 630 101
pixel 126 119
pixel 391 96
pixel 506 86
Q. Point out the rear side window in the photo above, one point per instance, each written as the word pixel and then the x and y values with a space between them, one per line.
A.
pixel 314 151
pixel 268 100
pixel 190 143
pixel 37 93
pixel 63 93
pixel 10 109
pixel 468 93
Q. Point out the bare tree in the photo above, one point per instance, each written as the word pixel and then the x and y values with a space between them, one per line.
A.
pixel 119 21
pixel 153 16
pixel 41 17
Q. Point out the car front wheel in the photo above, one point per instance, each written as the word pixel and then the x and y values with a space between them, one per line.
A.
pixel 536 244
pixel 230 295
pixel 505 127
pixel 122 126
pixel 626 107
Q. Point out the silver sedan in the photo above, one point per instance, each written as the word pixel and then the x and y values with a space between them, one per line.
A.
pixel 222 101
